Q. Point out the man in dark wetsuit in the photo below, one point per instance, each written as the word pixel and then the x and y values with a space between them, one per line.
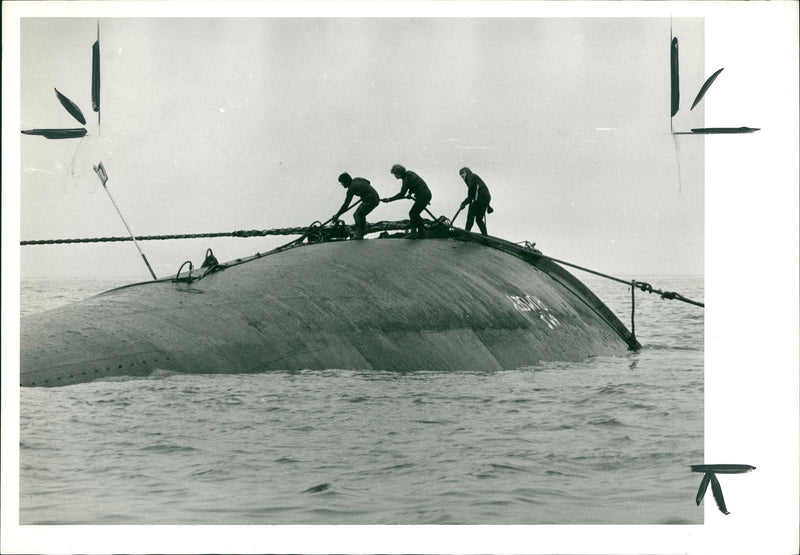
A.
pixel 478 199
pixel 369 200
pixel 413 184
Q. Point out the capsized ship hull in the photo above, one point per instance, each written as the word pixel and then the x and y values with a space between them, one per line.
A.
pixel 457 303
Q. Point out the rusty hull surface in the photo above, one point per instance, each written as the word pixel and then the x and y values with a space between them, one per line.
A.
pixel 389 304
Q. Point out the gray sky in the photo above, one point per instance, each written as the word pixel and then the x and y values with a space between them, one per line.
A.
pixel 214 124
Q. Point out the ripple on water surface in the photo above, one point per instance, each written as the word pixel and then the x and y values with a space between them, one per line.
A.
pixel 604 441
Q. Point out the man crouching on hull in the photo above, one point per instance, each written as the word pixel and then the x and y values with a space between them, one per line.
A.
pixel 369 200
pixel 413 184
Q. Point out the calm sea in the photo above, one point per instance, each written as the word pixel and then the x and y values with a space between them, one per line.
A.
pixel 605 441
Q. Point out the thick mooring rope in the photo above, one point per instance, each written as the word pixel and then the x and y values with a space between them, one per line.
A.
pixel 642 285
pixel 378 226
pixel 239 233
pixel 371 228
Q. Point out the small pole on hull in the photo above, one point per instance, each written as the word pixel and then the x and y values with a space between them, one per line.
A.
pixel 101 173
pixel 633 310
pixel 453 221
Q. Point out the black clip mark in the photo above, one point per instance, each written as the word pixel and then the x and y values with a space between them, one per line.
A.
pixel 710 471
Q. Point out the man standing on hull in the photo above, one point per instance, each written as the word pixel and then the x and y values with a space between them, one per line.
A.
pixel 415 185
pixel 478 199
pixel 369 200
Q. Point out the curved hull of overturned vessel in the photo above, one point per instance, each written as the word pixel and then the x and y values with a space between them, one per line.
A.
pixel 457 303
